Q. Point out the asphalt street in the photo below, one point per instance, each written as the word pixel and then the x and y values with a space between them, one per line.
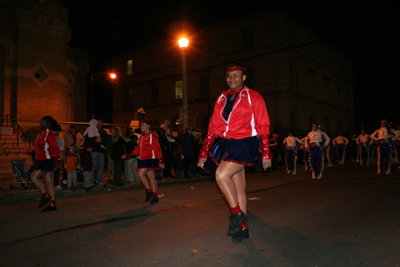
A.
pixel 349 218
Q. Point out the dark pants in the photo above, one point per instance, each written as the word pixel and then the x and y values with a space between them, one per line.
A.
pixel 188 161
pixel 168 164
pixel 56 178
pixel 118 166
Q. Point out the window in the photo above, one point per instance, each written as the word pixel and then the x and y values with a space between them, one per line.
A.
pixel 178 89
pixel 327 123
pixel 339 125
pixel 293 119
pixel 154 93
pixel 129 66
pixel 326 87
pixel 311 120
pixel 204 85
pixel 129 97
pixel 248 37
pixel 292 77
pixel 311 82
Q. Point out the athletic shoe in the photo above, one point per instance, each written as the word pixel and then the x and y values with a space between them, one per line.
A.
pixel 288 172
pixel 235 223
pixel 58 188
pixel 330 165
pixel 313 175
pixel 154 200
pixel 306 169
pixel 293 173
pixel 319 176
pixel 379 173
pixel 244 234
pixel 388 172
pixel 49 208
pixel 149 195
pixel 44 201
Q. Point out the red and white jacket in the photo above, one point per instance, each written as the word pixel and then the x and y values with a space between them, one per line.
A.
pixel 46 146
pixel 148 147
pixel 249 116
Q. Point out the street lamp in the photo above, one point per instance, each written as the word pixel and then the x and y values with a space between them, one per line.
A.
pixel 112 76
pixel 183 44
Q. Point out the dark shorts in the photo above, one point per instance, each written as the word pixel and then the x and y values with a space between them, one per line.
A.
pixel 242 151
pixel 151 164
pixel 48 165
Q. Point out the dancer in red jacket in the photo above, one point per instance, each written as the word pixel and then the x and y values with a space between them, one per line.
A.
pixel 241 121
pixel 150 155
pixel 48 155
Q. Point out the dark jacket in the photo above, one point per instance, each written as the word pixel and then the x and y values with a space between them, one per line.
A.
pixel 119 148
pixel 188 145
pixel 98 147
pixel 86 161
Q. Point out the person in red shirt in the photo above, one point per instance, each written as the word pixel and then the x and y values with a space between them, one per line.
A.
pixel 241 122
pixel 149 152
pixel 48 155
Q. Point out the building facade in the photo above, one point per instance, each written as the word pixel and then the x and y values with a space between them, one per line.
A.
pixel 302 78
pixel 39 73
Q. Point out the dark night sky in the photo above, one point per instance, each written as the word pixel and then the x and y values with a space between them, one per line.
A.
pixel 364 32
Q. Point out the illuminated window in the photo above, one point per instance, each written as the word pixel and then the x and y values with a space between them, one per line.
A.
pixel 129 64
pixel 178 89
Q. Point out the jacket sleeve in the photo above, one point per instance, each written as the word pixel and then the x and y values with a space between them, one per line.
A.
pixel 53 145
pixel 213 126
pixel 157 148
pixel 135 152
pixel 261 117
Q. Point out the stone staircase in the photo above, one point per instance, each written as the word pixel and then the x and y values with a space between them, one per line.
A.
pixel 10 144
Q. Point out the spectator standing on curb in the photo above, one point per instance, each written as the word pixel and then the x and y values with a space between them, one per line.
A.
pixel 167 153
pixel 97 138
pixel 72 163
pixel 188 152
pixel 87 166
pixel 73 137
pixel 56 130
pixel 119 149
pixel 131 174
pixel 110 162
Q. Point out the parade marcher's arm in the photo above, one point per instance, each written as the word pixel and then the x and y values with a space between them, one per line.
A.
pixel 358 140
pixel 373 135
pixel 208 142
pixel 327 139
pixel 396 135
pixel 346 141
pixel 298 141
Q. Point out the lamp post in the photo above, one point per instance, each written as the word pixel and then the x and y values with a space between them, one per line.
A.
pixel 112 76
pixel 183 43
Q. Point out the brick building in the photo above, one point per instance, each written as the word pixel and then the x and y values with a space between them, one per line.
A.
pixel 39 73
pixel 302 78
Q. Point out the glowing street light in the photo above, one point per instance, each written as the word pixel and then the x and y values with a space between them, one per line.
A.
pixel 183 43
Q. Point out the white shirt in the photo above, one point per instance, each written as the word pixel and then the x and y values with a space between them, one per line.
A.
pixel 317 137
pixel 291 141
pixel 383 133
pixel 340 140
pixel 363 139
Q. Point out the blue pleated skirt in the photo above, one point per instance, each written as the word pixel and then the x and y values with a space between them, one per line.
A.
pixel 151 164
pixel 47 165
pixel 242 151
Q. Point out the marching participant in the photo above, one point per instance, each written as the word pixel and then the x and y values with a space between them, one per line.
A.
pixel 385 135
pixel 364 142
pixel 149 152
pixel 306 155
pixel 241 121
pixel 317 141
pixel 340 142
pixel 290 143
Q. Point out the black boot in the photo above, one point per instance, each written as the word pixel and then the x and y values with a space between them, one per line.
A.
pixel 235 223
pixel 154 200
pixel 50 208
pixel 149 195
pixel 44 201
pixel 244 234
